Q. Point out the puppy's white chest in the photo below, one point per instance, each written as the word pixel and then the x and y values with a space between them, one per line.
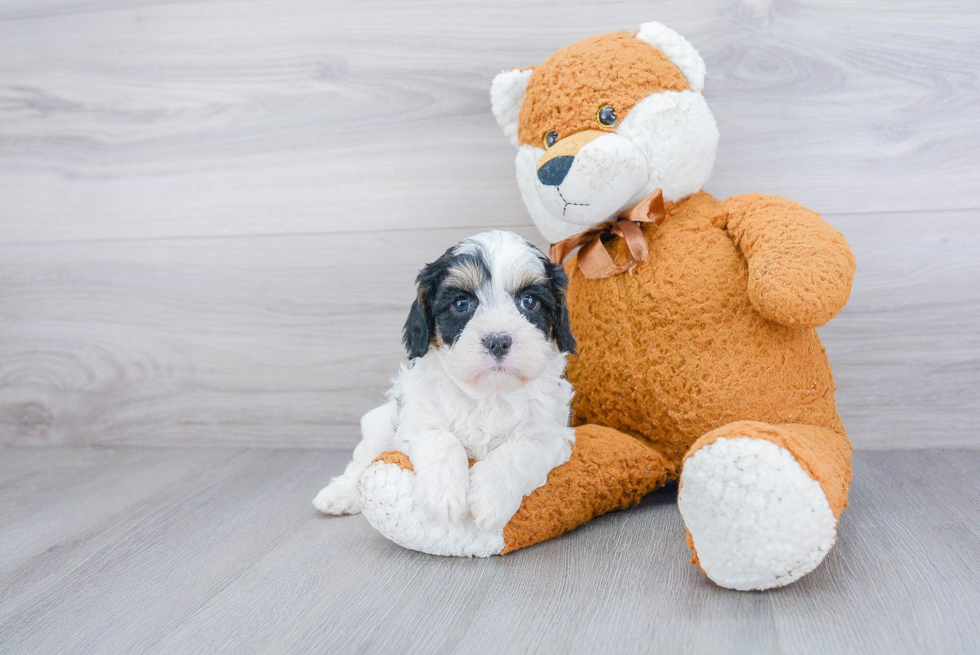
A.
pixel 483 425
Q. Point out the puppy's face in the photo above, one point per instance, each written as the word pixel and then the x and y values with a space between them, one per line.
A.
pixel 494 308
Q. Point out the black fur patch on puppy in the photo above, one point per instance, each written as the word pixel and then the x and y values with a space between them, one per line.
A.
pixel 439 285
pixel 420 327
pixel 449 321
pixel 561 325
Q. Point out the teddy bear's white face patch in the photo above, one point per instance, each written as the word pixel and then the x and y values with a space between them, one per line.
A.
pixel 668 141
pixel 597 182
pixel 678 137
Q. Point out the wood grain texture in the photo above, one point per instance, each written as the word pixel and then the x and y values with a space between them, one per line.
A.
pixel 137 119
pixel 905 349
pixel 278 340
pixel 211 213
pixel 225 554
pixel 268 340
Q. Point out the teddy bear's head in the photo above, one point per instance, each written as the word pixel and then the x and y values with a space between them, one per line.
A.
pixel 603 123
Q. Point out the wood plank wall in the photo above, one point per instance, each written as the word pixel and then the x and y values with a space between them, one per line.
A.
pixel 211 212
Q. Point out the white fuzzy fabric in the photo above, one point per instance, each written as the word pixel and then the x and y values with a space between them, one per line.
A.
pixel 678 49
pixel 604 177
pixel 506 97
pixel 386 495
pixel 757 519
pixel 678 137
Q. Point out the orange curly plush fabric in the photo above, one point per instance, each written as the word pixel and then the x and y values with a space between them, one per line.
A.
pixel 801 268
pixel 683 346
pixel 396 457
pixel 566 91
pixel 713 336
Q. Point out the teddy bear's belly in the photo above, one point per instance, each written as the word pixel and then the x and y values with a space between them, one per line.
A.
pixel 676 349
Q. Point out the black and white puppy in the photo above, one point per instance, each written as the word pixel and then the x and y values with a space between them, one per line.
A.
pixel 487 338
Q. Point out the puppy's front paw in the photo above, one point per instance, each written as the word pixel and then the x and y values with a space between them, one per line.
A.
pixel 441 492
pixel 493 497
pixel 338 497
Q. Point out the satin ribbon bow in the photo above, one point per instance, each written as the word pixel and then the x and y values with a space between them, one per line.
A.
pixel 594 260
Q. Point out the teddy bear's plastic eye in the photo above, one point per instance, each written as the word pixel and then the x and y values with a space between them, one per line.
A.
pixel 606 116
pixel 550 138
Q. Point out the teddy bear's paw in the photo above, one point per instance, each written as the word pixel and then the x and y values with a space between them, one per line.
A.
pixel 338 497
pixel 386 492
pixel 756 518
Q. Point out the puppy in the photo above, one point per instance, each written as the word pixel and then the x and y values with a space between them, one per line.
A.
pixel 487 338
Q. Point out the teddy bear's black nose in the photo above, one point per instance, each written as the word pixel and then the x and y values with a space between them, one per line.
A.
pixel 555 170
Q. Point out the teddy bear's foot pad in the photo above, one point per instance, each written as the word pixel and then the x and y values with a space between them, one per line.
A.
pixel 386 492
pixel 756 518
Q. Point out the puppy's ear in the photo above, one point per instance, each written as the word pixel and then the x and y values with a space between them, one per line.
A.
pixel 506 97
pixel 420 327
pixel 560 322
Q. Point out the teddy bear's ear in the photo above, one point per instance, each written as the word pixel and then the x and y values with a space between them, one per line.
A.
pixel 678 49
pixel 506 97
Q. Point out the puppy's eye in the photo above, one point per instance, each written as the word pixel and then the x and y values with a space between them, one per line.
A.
pixel 529 303
pixel 550 138
pixel 461 305
pixel 606 116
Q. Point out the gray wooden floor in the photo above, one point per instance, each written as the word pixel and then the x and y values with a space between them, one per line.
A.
pixel 218 550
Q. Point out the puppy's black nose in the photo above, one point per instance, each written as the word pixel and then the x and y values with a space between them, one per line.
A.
pixel 497 344
pixel 554 170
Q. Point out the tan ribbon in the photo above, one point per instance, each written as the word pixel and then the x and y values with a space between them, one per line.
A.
pixel 593 258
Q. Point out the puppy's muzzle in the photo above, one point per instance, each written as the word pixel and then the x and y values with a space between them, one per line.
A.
pixel 558 159
pixel 498 344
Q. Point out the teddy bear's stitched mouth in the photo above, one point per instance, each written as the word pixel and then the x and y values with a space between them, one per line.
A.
pixel 567 204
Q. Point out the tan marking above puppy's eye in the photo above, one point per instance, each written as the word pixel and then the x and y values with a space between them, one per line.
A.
pixel 606 116
pixel 465 275
pixel 550 139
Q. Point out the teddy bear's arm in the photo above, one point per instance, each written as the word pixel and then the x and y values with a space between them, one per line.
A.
pixel 800 268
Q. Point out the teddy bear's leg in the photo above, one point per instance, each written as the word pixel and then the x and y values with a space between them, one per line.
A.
pixel 607 470
pixel 761 501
